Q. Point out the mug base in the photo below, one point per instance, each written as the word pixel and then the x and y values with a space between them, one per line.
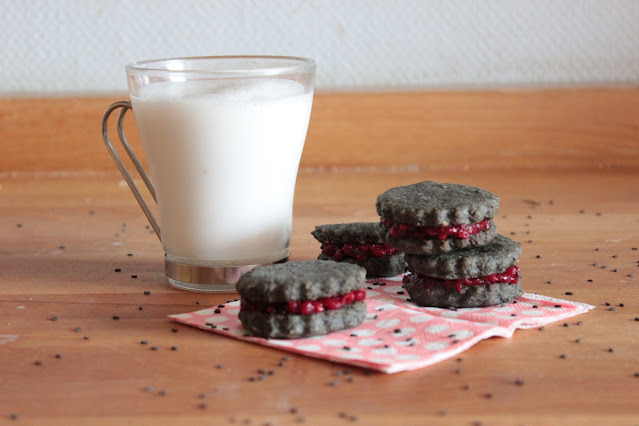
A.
pixel 206 279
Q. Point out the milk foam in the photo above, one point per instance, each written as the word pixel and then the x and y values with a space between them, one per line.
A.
pixel 223 159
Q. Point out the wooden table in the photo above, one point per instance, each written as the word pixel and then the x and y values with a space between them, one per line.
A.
pixel 64 232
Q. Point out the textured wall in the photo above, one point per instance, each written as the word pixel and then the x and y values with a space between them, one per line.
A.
pixel 81 46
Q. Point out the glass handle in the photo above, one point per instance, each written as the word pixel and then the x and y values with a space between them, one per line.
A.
pixel 125 106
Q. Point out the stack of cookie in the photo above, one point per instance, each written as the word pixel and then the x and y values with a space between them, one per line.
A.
pixel 452 248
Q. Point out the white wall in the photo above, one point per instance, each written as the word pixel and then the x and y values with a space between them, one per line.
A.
pixel 81 46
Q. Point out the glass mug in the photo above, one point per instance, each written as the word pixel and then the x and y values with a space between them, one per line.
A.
pixel 223 137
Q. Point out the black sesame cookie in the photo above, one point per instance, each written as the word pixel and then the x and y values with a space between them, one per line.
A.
pixel 359 243
pixel 302 299
pixel 430 218
pixel 479 276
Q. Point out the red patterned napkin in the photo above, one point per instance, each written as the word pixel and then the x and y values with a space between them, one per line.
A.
pixel 398 335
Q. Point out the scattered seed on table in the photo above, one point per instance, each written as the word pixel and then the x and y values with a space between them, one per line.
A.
pixel 140 308
pixel 458 371
pixel 19 225
pixel 203 395
pixel 541 328
pixel 129 254
pixel 634 248
pixel 566 324
pixel 400 292
pixel 197 302
pixel 612 309
pixel 144 342
pixel 335 383
pixel 631 274
pixel 118 269
pixel 548 282
pixel 38 362
pixel 519 382
pixel 174 330
pixel 134 276
pixel 154 348
pixel 147 293
pixel 615 270
pixel 611 350
pixel 77 329
pixel 164 392
pixel 86 337
pixel 217 311
pixel 569 293
pixel 580 323
pixel 174 348
pixel 148 389
pixel 589 281
pixel 636 318
pixel 637 374
pixel 563 356
pixel 466 387
pixel 607 303
pixel 538 256
pixel 489 395
pixel 53 319
pixel 614 256
pixel 578 340
pixel 58 356
pixel 115 317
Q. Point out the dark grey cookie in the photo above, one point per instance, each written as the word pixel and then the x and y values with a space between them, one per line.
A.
pixel 300 280
pixel 377 267
pixel 344 233
pixel 288 326
pixel 437 204
pixel 470 296
pixel 430 246
pixel 496 257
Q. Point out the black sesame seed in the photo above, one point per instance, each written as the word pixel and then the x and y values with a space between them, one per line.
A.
pixel 615 270
pixel 19 225
pixel 489 395
pixel 14 416
pixel 174 348
pixel 589 281
pixel 203 395
pixel 569 293
pixel 58 356
pixel 549 282
pixel 335 383
pixel 578 340
pixel 217 311
pixel 557 306
pixel 580 323
pixel 202 406
pixel 147 293
pixel 164 392
pixel 251 379
pixel 400 292
pixel 631 274
pixel 62 247
pixel 614 256
pixel 144 342
pixel 621 305
pixel 149 389
pixel 197 302
pixel 538 256
pixel 596 248
pixel 77 329
pixel 566 324
pixel 458 371
pixel 53 319
pixel 634 248
pixel 154 348
pixel 607 303
pixel 86 337
pixel 563 356
pixel 611 350
pixel 519 382
pixel 118 270
pixel 174 330
pixel 134 276
pixel 541 328
pixel 115 317
pixel 220 366
pixel 129 254
pixel 38 362
pixel 612 309
pixel 140 308
pixel 636 318
pixel 346 348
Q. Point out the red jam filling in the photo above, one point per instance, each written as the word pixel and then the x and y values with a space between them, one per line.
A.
pixel 400 230
pixel 305 307
pixel 359 252
pixel 509 276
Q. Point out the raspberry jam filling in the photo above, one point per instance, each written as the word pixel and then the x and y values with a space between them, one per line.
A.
pixel 400 230
pixel 305 307
pixel 359 252
pixel 509 276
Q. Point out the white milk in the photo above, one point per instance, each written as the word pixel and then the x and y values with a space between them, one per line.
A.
pixel 223 159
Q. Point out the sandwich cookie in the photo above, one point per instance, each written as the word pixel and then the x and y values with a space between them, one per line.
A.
pixel 301 299
pixel 479 276
pixel 359 243
pixel 430 218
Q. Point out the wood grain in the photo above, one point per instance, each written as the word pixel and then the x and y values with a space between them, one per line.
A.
pixel 405 131
pixel 574 218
